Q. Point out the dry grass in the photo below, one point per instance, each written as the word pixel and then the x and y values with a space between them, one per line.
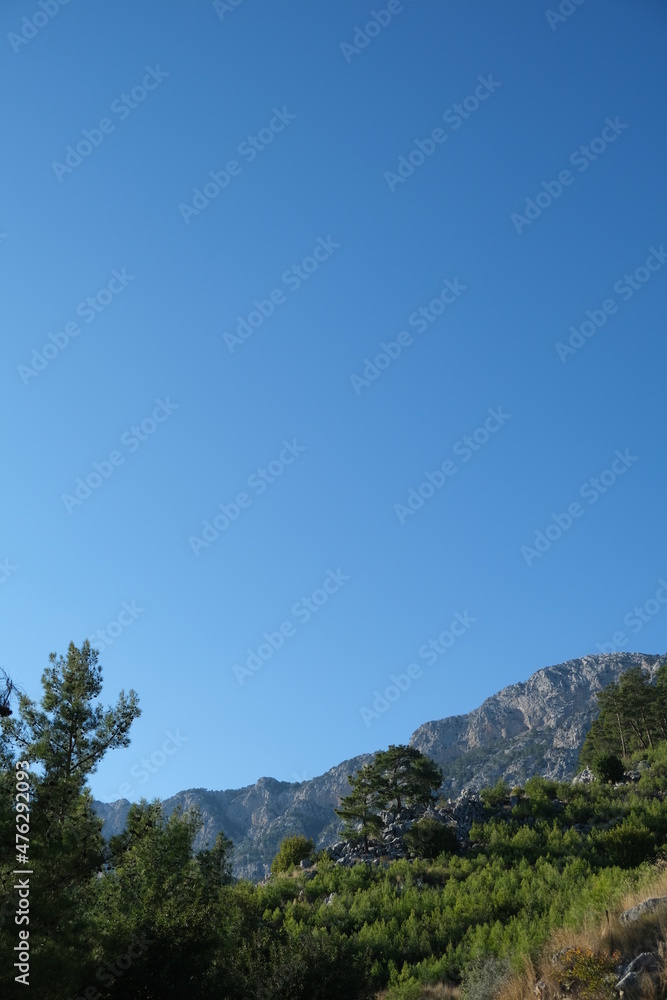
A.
pixel 440 991
pixel 648 934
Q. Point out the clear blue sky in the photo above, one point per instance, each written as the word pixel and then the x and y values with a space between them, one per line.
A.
pixel 331 119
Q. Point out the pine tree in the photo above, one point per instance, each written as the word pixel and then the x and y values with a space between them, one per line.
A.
pixel 360 808
pixel 62 740
pixel 636 694
pixel 632 716
pixel 406 775
pixel 659 711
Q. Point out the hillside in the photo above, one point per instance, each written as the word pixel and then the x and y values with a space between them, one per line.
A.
pixel 534 727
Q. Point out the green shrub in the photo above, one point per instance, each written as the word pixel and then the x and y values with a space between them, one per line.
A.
pixel 627 845
pixel 495 796
pixel 429 839
pixel 608 767
pixel 291 852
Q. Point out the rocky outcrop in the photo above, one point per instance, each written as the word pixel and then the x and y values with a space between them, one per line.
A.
pixel 643 909
pixel 534 727
pixel 458 815
pixel 645 964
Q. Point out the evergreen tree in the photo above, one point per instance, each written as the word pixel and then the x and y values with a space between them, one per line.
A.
pixel 608 767
pixel 659 711
pixel 406 776
pixel 359 809
pixel 637 695
pixel 161 904
pixel 632 716
pixel 61 740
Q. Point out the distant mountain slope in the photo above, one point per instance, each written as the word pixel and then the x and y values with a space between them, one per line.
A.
pixel 534 727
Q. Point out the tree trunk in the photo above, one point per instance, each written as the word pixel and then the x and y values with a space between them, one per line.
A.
pixel 620 733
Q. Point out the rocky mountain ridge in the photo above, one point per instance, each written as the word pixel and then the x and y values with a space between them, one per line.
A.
pixel 534 727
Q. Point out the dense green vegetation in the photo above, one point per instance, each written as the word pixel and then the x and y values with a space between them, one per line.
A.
pixel 632 717
pixel 292 851
pixel 145 917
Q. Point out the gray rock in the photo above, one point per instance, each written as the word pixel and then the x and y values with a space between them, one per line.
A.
pixel 642 909
pixel 644 964
pixel 627 984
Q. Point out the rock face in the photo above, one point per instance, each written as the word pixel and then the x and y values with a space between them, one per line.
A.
pixel 535 727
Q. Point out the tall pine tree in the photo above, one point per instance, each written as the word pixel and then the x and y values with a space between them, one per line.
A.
pixel 360 808
pixel 62 740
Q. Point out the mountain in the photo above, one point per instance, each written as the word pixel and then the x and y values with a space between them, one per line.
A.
pixel 533 727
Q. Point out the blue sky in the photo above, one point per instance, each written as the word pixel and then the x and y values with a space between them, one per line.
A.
pixel 465 184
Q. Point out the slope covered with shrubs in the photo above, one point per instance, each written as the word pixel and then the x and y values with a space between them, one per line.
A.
pixel 147 917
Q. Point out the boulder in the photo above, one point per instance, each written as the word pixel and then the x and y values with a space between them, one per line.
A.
pixel 642 909
pixel 646 963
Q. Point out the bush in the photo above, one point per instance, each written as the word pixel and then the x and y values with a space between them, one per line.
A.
pixel 495 796
pixel 482 980
pixel 608 767
pixel 627 845
pixel 291 852
pixel 429 839
pixel 588 974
